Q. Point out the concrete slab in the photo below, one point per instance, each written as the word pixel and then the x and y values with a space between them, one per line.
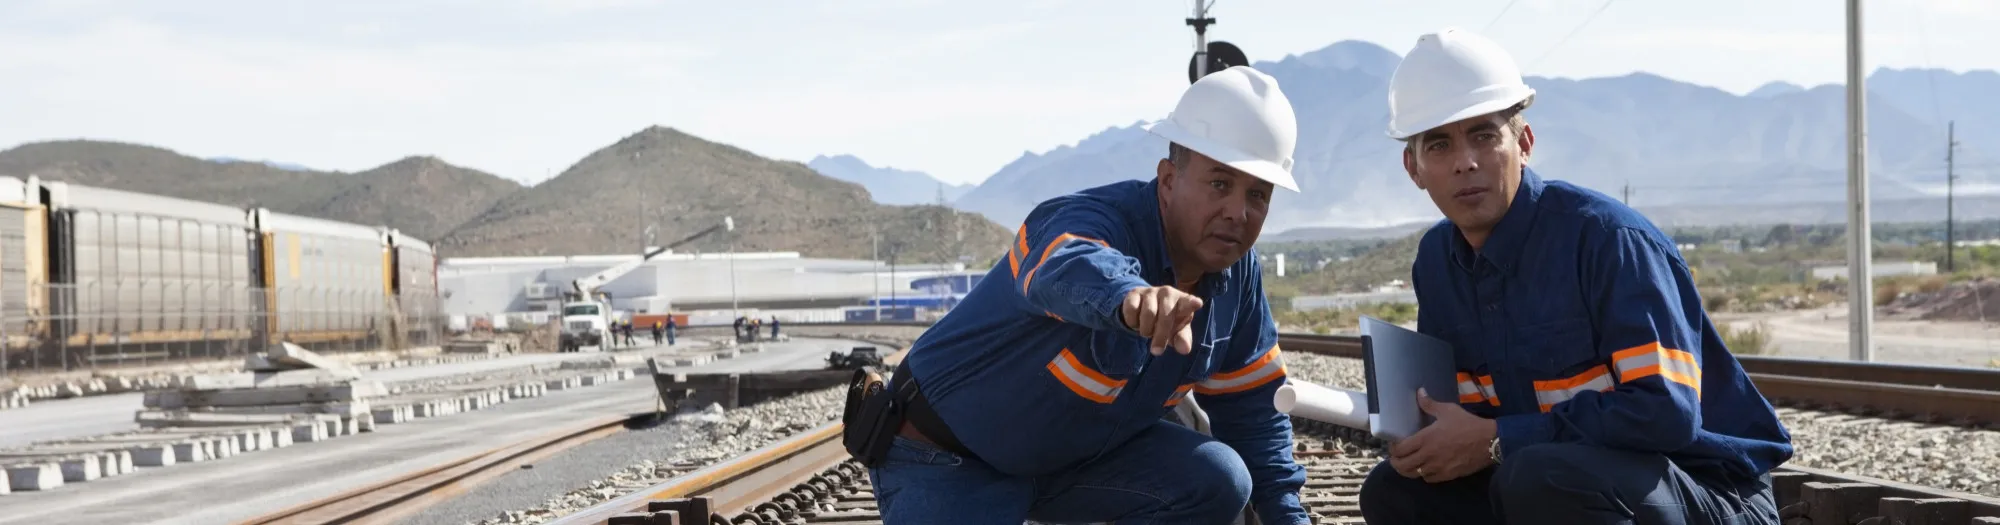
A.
pixel 117 462
pixel 266 379
pixel 277 395
pixel 157 455
pixel 308 432
pixel 341 408
pixel 82 468
pixel 299 357
pixel 34 476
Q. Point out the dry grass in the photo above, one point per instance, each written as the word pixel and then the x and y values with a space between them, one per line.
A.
pixel 1754 340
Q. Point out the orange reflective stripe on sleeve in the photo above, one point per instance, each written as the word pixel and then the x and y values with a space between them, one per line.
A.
pixel 1651 359
pixel 1082 380
pixel 1019 251
pixel 1179 394
pixel 1051 249
pixel 1263 370
pixel 1549 393
pixel 1468 391
pixel 1476 390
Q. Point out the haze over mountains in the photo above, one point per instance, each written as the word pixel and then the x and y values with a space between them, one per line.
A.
pixel 1675 143
pixel 888 185
pixel 1691 155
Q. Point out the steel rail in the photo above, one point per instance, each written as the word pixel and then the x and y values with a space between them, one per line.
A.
pixel 727 488
pixel 390 500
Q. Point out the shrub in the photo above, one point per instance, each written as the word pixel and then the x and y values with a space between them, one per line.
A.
pixel 1751 341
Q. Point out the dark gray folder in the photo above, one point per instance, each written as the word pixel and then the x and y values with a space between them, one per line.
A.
pixel 1396 362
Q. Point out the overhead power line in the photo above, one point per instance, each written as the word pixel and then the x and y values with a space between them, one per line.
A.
pixel 1572 33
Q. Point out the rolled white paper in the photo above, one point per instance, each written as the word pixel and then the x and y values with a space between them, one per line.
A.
pixel 1318 403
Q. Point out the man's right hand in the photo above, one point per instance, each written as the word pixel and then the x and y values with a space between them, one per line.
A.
pixel 1163 313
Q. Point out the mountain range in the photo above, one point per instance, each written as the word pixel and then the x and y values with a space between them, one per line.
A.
pixel 1779 148
pixel 601 204
pixel 888 185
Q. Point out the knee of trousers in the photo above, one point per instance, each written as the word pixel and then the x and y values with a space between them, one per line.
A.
pixel 1386 496
pixel 1546 474
pixel 1221 480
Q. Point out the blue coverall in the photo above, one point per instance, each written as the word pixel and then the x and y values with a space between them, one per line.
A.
pixel 1060 403
pixel 1579 330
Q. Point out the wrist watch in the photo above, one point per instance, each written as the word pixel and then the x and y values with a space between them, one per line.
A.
pixel 1494 449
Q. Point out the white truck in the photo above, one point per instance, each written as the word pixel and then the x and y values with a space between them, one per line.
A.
pixel 587 316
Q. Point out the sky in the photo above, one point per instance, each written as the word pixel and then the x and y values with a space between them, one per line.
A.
pixel 957 89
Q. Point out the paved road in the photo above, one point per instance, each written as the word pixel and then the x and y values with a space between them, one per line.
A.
pixel 254 484
pixel 96 415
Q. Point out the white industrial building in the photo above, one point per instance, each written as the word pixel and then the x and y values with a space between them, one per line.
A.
pixel 683 283
pixel 1878 269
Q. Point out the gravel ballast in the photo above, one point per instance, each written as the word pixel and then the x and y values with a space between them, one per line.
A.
pixel 1941 456
pixel 576 479
pixel 1946 457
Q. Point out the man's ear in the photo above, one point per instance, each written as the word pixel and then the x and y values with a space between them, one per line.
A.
pixel 1410 166
pixel 1527 142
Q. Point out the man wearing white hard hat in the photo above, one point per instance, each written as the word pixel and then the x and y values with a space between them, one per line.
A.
pixel 1043 395
pixel 1592 386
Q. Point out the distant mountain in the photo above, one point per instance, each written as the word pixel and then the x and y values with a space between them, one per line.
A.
pixel 1674 143
pixel 422 196
pixel 595 206
pixel 1775 89
pixel 888 185
pixel 287 166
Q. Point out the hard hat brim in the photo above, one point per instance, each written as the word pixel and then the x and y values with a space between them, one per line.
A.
pixel 1272 172
pixel 1522 95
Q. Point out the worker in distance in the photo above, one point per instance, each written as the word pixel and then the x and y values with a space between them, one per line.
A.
pixel 1592 387
pixel 1043 395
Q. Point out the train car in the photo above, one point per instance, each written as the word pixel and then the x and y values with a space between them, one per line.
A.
pixel 324 279
pixel 135 268
pixel 24 269
pixel 413 281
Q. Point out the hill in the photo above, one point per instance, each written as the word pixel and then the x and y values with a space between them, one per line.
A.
pixel 1675 143
pixel 888 185
pixel 684 184
pixel 424 197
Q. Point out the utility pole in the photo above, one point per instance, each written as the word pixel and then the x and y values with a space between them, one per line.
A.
pixel 1628 193
pixel 1950 147
pixel 1200 23
pixel 875 242
pixel 1860 285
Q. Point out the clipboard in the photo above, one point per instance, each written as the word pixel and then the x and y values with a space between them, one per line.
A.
pixel 1396 361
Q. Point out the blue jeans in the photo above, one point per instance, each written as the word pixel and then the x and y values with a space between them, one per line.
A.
pixel 1165 474
pixel 1568 483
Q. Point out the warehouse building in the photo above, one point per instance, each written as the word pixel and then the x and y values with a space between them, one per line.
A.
pixel 707 286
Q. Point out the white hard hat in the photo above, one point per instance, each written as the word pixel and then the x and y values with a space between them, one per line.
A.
pixel 1240 118
pixel 1452 75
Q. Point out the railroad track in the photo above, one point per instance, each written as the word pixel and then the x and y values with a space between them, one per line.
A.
pixel 408 494
pixel 808 479
pixel 1968 397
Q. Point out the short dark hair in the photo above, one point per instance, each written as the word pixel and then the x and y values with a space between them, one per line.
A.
pixel 1178 155
pixel 1515 123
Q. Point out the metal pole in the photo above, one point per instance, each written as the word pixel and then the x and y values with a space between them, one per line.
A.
pixel 1861 287
pixel 1950 148
pixel 1200 39
pixel 875 240
pixel 734 308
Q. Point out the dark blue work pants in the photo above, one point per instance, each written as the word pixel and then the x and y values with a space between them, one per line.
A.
pixel 1568 484
pixel 1167 474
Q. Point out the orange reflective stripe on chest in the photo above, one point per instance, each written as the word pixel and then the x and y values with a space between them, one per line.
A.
pixel 1082 380
pixel 1046 251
